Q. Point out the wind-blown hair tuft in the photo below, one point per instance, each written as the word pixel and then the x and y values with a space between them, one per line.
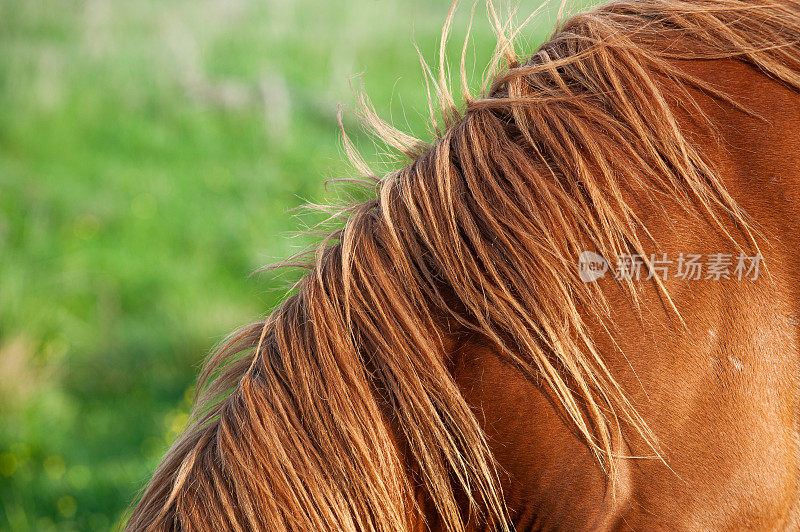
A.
pixel 339 412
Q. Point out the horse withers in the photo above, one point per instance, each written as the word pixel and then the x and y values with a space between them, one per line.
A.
pixel 575 309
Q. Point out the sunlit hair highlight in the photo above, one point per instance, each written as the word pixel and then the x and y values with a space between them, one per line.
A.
pixel 339 412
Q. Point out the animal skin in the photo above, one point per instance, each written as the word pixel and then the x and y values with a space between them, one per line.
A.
pixel 443 366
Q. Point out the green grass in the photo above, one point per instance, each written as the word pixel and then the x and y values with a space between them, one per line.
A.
pixel 149 151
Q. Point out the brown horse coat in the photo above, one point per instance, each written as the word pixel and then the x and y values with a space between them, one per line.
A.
pixel 721 394
pixel 444 366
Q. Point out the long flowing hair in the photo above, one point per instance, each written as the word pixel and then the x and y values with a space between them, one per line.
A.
pixel 339 412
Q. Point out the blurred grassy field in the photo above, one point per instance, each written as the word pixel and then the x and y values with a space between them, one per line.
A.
pixel 149 151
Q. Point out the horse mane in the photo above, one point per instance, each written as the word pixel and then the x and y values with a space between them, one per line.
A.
pixel 338 412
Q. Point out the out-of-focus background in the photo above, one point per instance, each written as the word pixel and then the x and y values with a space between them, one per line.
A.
pixel 149 151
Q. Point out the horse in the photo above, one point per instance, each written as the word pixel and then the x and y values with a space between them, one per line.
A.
pixel 495 339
